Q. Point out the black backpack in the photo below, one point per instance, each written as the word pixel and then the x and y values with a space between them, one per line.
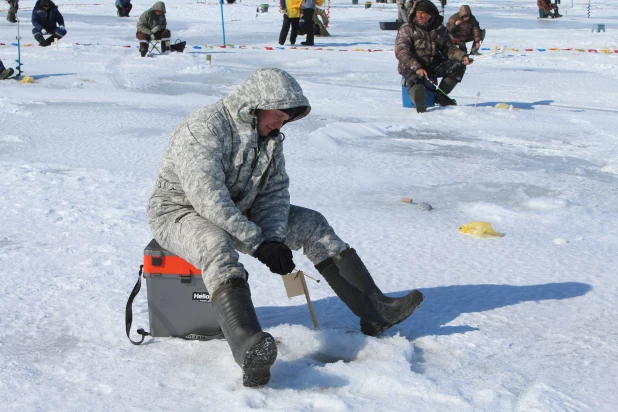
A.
pixel 179 46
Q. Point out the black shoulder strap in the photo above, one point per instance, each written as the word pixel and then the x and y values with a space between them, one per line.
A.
pixel 128 314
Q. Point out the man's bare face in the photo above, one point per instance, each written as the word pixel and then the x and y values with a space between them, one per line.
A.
pixel 422 17
pixel 269 120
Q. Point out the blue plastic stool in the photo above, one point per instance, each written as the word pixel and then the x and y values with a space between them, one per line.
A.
pixel 598 28
pixel 430 99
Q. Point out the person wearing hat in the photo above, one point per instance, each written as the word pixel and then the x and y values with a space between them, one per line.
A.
pixel 152 25
pixel 425 50
pixel 463 27
pixel 47 19
pixel 11 16
pixel 123 8
pixel 222 189
pixel 546 7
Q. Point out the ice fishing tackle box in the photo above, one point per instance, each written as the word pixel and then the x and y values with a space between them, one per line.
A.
pixel 178 302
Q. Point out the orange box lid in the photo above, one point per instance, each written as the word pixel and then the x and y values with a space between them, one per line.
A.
pixel 160 261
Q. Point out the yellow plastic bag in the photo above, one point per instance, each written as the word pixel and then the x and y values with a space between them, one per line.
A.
pixel 505 106
pixel 27 79
pixel 478 229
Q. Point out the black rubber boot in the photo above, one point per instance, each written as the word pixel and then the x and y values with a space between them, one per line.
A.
pixel 42 42
pixel 446 85
pixel 10 17
pixel 143 49
pixel 6 73
pixel 254 351
pixel 418 95
pixel 50 40
pixel 351 281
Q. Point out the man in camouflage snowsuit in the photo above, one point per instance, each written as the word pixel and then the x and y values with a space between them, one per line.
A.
pixel 222 188
pixel 425 50
pixel 402 13
pixel 464 27
pixel 546 7
pixel 11 16
pixel 403 9
pixel 152 26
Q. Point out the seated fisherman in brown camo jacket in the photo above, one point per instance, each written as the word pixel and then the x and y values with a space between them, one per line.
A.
pixel 425 50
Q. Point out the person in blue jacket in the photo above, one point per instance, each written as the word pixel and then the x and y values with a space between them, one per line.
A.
pixel 124 7
pixel 46 19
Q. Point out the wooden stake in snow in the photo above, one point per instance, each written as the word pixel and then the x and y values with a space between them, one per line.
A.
pixel 295 285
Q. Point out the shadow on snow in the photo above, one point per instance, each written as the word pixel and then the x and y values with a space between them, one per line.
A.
pixel 517 105
pixel 441 306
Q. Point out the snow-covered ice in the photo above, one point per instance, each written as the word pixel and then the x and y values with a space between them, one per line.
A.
pixel 524 322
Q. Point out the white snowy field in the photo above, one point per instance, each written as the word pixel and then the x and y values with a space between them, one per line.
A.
pixel 525 322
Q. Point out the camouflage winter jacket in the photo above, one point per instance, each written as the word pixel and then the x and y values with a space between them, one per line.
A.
pixel 465 30
pixel 418 47
pixel 218 166
pixel 149 22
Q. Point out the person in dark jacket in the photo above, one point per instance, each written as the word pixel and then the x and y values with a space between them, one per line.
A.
pixel 546 7
pixel 46 19
pixel 4 72
pixel 307 8
pixel 152 25
pixel 463 27
pixel 123 7
pixel 11 16
pixel 425 50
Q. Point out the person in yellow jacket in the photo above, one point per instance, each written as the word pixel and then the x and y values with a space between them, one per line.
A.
pixel 291 17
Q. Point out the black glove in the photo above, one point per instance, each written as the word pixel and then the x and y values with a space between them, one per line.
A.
pixel 277 256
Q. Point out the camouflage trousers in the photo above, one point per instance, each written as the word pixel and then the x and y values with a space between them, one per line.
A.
pixel 13 7
pixel 461 43
pixel 163 35
pixel 402 12
pixel 215 252
pixel 450 69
